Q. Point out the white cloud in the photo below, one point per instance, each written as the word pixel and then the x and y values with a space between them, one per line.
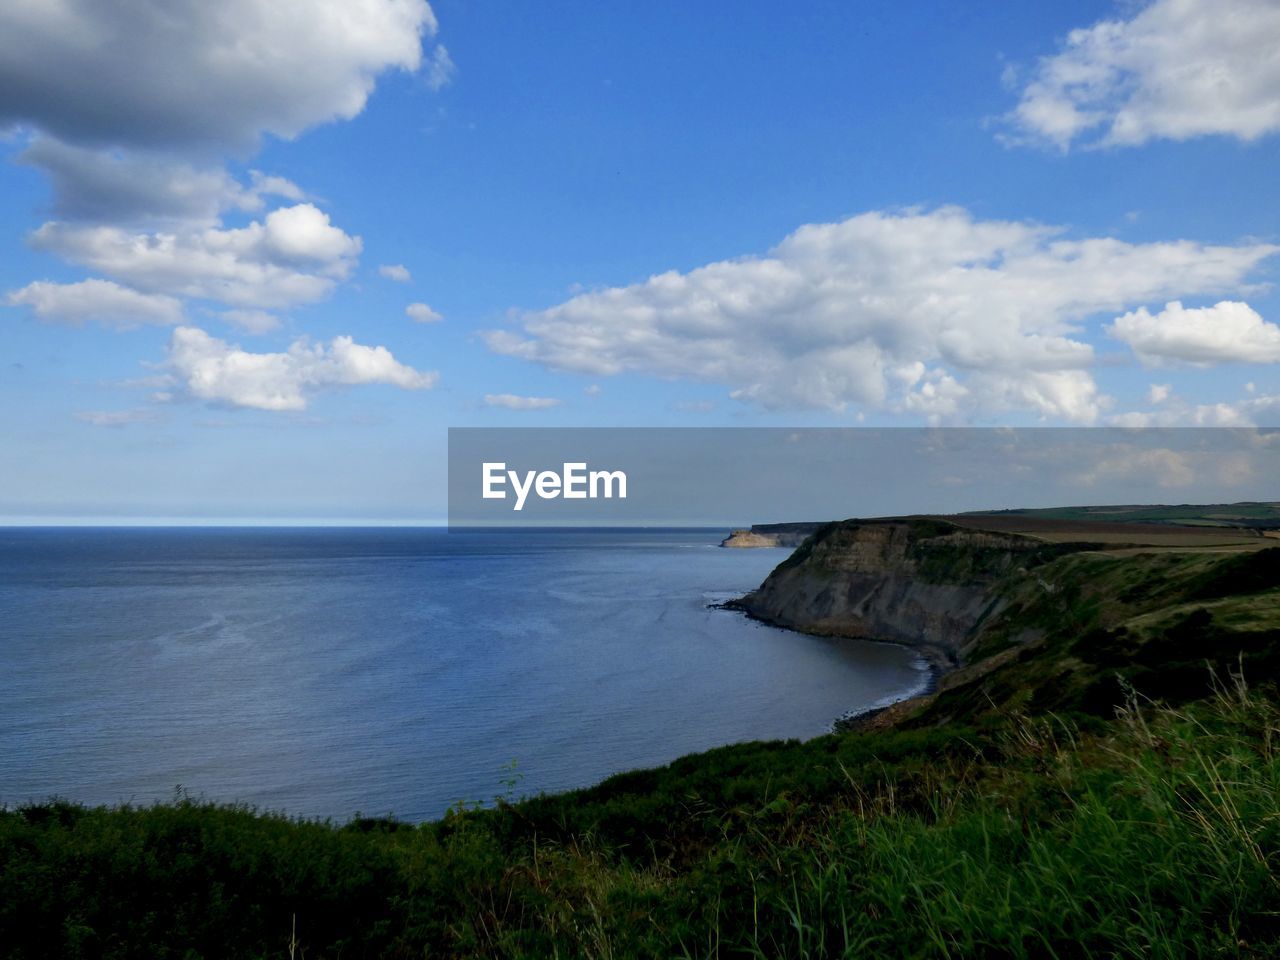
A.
pixel 134 137
pixel 122 186
pixel 98 300
pixel 267 185
pixel 421 313
pixel 1177 69
pixel 510 401
pixel 303 234
pixel 440 68
pixel 1173 411
pixel 1070 395
pixel 213 370
pixel 592 390
pixel 1227 332
pixel 395 271
pixel 116 418
pixel 835 312
pixel 194 74
pixel 936 395
pixel 294 255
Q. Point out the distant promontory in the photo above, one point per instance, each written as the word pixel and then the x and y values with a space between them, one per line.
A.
pixel 770 535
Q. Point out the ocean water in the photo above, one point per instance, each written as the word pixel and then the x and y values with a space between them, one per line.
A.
pixel 325 672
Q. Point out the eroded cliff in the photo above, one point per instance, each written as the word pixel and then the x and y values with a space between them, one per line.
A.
pixel 918 581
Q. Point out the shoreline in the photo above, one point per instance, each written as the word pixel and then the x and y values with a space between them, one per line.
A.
pixel 859 719
pixel 938 663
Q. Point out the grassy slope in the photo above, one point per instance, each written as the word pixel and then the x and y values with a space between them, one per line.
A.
pixel 1156 623
pixel 1014 815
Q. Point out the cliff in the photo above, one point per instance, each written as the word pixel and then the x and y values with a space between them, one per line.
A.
pixel 1019 624
pixel 771 535
pixel 923 582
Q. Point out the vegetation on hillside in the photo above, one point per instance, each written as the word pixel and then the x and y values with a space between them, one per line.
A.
pixel 1155 623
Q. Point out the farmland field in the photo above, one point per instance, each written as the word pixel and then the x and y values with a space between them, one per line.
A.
pixel 1189 533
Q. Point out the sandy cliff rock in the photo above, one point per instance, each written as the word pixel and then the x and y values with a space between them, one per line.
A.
pixel 771 535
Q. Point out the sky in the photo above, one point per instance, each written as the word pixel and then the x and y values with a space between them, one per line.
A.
pixel 257 257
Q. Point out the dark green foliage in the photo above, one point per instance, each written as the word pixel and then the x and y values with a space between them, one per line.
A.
pixel 184 879
pixel 1241 574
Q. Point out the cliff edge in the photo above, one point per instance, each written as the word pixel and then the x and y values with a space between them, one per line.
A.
pixel 923 582
pixel 1021 623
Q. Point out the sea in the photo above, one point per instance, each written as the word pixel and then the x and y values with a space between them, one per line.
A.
pixel 338 672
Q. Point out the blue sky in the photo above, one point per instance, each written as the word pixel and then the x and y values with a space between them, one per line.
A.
pixel 826 214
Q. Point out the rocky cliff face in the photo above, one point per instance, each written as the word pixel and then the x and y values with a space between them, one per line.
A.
pixel 922 582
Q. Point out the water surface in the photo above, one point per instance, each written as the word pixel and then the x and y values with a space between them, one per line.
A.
pixel 329 671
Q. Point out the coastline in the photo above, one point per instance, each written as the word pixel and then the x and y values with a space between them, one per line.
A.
pixel 866 718
pixel 937 663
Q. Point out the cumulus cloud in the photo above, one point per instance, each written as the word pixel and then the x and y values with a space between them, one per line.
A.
pixel 213 370
pixel 1177 69
pixel 134 141
pixel 121 186
pixel 96 300
pixel 421 313
pixel 192 74
pixel 1227 332
pixel 928 312
pixel 510 401
pixel 1170 410
pixel 294 255
pixel 395 271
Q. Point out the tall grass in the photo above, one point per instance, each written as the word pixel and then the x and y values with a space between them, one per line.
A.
pixel 1159 840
